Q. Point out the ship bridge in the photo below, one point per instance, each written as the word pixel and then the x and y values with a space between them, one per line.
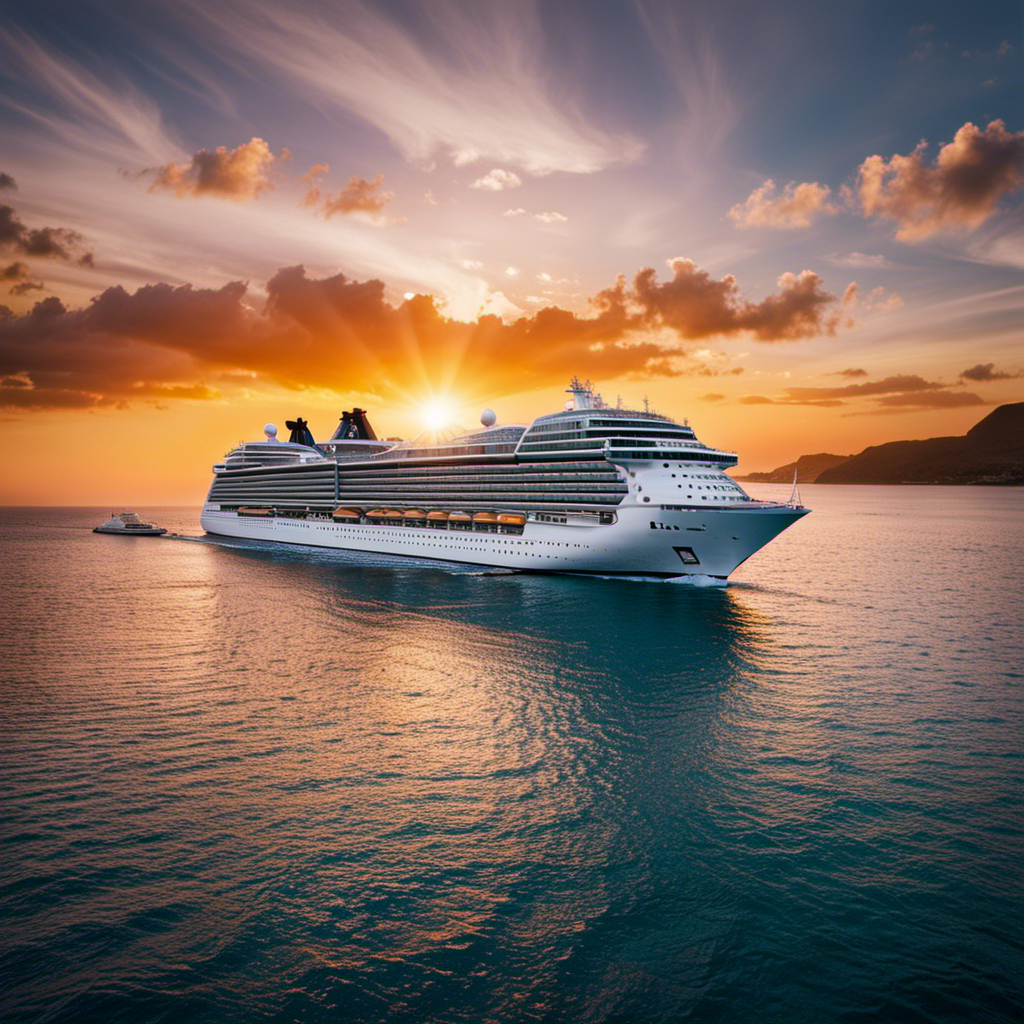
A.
pixel 589 427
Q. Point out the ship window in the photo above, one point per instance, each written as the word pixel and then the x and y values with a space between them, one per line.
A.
pixel 687 556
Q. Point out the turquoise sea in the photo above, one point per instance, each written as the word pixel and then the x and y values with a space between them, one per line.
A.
pixel 246 783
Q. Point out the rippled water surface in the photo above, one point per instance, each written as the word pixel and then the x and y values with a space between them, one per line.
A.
pixel 244 783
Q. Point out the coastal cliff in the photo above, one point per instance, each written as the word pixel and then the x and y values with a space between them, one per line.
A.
pixel 991 452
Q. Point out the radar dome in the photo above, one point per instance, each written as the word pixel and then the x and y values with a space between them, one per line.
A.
pixel 487 418
pixel 271 431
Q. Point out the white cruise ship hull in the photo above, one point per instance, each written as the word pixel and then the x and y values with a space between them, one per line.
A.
pixel 643 541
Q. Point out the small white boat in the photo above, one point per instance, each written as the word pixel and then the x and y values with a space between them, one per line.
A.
pixel 129 524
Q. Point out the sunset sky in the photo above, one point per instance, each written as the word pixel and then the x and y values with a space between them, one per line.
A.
pixel 799 225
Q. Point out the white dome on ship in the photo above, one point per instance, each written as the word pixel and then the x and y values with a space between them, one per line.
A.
pixel 271 431
pixel 488 418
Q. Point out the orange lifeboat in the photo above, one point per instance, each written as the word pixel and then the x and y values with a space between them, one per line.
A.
pixel 511 519
pixel 345 515
pixel 460 520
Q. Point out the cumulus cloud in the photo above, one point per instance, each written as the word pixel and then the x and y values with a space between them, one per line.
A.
pixel 358 196
pixel 239 174
pixel 517 211
pixel 697 306
pixel 497 181
pixel 795 207
pixel 7 182
pixel 985 372
pixel 960 191
pixel 712 397
pixel 850 372
pixel 346 332
pixel 52 243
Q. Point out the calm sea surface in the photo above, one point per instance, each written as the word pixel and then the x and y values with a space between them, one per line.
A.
pixel 244 783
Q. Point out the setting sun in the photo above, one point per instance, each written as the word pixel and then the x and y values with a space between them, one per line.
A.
pixel 437 414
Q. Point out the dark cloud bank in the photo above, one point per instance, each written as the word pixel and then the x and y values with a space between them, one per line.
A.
pixel 335 332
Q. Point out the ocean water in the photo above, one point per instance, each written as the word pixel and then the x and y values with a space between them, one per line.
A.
pixel 241 783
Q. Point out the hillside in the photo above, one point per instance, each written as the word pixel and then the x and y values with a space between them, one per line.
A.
pixel 808 468
pixel 991 452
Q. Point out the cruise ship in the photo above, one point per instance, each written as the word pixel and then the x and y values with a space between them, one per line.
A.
pixel 590 489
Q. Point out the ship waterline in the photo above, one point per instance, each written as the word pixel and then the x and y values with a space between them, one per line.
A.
pixel 591 489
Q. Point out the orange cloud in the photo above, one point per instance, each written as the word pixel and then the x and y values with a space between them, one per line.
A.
pixel 877 301
pixel 697 306
pixel 163 341
pixel 796 207
pixel 239 174
pixel 358 196
pixel 972 173
pixel 931 400
pixel 908 392
pixel 902 383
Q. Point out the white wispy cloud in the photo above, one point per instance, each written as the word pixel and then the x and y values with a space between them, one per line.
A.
pixel 860 260
pixel 107 117
pixel 494 100
pixel 709 108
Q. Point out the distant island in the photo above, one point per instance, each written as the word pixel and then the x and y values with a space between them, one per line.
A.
pixel 991 452
pixel 808 468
